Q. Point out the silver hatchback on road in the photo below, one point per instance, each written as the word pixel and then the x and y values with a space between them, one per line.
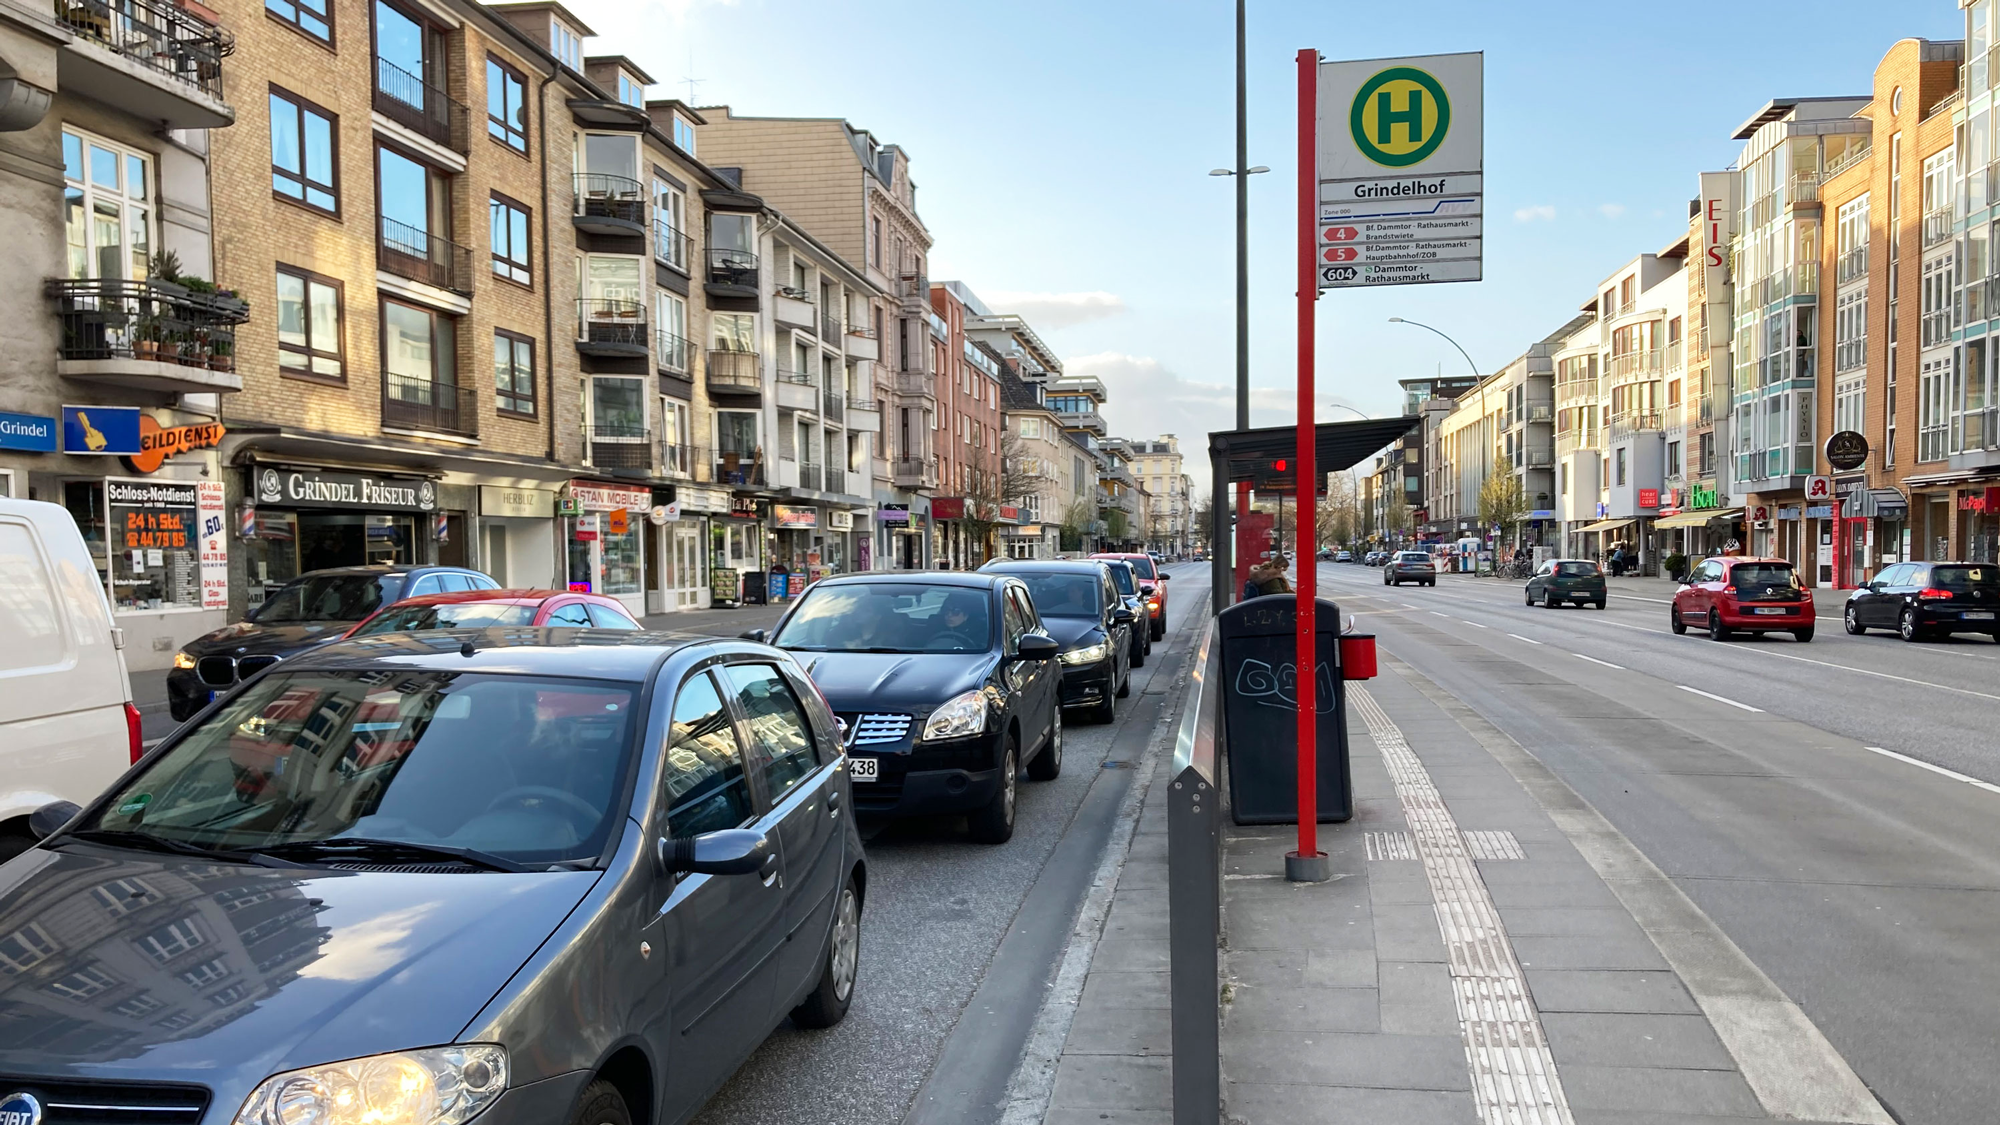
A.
pixel 1410 566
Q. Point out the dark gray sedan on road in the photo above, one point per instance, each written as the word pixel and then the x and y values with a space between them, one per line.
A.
pixel 527 876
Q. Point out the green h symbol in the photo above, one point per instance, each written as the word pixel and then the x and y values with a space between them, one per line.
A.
pixel 1411 117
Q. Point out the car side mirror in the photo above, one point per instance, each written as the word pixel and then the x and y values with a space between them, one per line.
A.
pixel 1036 646
pixel 1123 616
pixel 732 851
pixel 1162 576
pixel 44 821
pixel 757 635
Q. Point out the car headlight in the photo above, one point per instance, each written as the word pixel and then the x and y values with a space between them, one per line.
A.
pixel 435 1086
pixel 1089 654
pixel 183 661
pixel 961 715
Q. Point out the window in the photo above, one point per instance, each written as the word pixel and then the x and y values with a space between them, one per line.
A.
pixel 617 408
pixel 732 331
pixel 1933 408
pixel 83 984
pixel 1620 478
pixel 573 615
pixel 310 340
pixel 670 241
pixel 412 201
pixel 206 973
pixel 122 896
pixel 419 362
pixel 25 948
pixel 1849 398
pixel 107 211
pixel 684 134
pixel 1936 293
pixel 509 226
pixel 672 353
pixel 612 154
pixel 565 45
pixel 631 92
pixel 612 289
pixel 1850 330
pixel 706 789
pixel 513 373
pixel 675 436
pixel 781 736
pixel 313 17
pixel 303 165
pixel 171 940
pixel 1673 458
pixel 506 105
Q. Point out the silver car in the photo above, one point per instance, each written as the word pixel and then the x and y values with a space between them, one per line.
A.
pixel 529 876
pixel 1410 566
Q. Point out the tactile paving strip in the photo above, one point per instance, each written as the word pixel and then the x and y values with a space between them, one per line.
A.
pixel 1514 1078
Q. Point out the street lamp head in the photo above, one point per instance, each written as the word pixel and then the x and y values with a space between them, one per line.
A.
pixel 1220 172
pixel 1258 168
pixel 1395 320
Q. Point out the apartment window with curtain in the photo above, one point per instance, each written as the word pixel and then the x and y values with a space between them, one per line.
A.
pixel 513 373
pixel 508 225
pixel 506 105
pixel 107 208
pixel 304 161
pixel 617 408
pixel 310 340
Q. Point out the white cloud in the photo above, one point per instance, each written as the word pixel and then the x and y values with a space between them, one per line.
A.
pixel 1540 211
pixel 1056 310
pixel 1611 210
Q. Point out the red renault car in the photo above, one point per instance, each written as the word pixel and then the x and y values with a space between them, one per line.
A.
pixel 1152 587
pixel 483 609
pixel 1730 595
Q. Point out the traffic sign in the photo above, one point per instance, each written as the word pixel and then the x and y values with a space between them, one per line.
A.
pixel 1364 274
pixel 1398 230
pixel 1438 251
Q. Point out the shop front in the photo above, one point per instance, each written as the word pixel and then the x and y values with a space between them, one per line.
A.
pixel 681 544
pixel 605 532
pixel 517 535
pixel 1978 516
pixel 737 553
pixel 901 539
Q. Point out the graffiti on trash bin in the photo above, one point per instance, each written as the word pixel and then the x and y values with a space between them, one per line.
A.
pixel 1279 687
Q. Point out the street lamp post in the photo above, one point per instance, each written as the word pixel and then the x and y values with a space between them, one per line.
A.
pixel 1242 172
pixel 1481 379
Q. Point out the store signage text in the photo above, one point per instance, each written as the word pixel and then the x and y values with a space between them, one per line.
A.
pixel 33 433
pixel 1701 498
pixel 343 490
pixel 157 442
pixel 786 516
pixel 1986 501
pixel 609 497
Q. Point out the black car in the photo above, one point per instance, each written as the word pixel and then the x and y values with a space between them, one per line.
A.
pixel 1079 602
pixel 522 876
pixel 1127 581
pixel 307 612
pixel 947 684
pixel 1925 600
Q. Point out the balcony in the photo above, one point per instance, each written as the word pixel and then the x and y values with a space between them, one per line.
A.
pixel 797 390
pixel 862 416
pixel 861 343
pixel 914 289
pixel 147 336
pixel 811 478
pixel 1937 226
pixel 791 308
pixel 611 205
pixel 419 255
pixel 1083 420
pixel 413 403
pixel 917 383
pixel 1676 355
pixel 734 373
pixel 670 246
pixel 610 328
pixel 1635 365
pixel 148 58
pixel 677 460
pixel 1851 266
pixel 619 447
pixel 732 273
pixel 836 479
pixel 417 105
pixel 829 325
pixel 833 407
pixel 1540 412
pixel 1627 425
pixel 734 467
pixel 1538 457
pixel 672 353
pixel 914 472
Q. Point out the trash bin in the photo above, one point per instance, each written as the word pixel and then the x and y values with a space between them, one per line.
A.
pixel 1260 711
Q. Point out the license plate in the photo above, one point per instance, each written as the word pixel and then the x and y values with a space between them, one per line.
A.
pixel 1977 615
pixel 1768 609
pixel 863 769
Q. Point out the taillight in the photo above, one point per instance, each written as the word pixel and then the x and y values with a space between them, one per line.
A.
pixel 1730 590
pixel 134 734
pixel 1933 595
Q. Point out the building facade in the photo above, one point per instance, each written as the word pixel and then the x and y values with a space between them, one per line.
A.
pixel 1169 489
pixel 967 376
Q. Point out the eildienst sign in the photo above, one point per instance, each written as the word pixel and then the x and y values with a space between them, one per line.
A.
pixel 1401 161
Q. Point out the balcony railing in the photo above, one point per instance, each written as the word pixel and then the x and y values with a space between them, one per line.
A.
pixel 419 403
pixel 1676 355
pixel 836 479
pixel 1852 157
pixel 1538 457
pixel 1635 364
pixel 732 267
pixel 787 375
pixel 1937 226
pixel 608 204
pixel 914 287
pixel 810 477
pixel 113 319
pixel 619 446
pixel 1804 188
pixel 415 104
pixel 833 407
pixel 1626 425
pixel 158 36
pixel 670 245
pixel 738 468
pixel 734 372
pixel 1541 412
pixel 829 324
pixel 913 472
pixel 1851 266
pixel 672 353
pixel 1936 328
pixel 677 460
pixel 419 255
pixel 607 327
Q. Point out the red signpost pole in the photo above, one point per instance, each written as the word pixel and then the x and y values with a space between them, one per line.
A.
pixel 1307 864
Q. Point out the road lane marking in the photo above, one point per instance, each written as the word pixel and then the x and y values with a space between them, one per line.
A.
pixel 1446 616
pixel 1923 765
pixel 1407 605
pixel 1883 675
pixel 1519 637
pixel 1595 660
pixel 1720 699
pixel 1474 624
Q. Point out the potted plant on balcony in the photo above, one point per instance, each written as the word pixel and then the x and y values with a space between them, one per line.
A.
pixel 221 352
pixel 146 337
pixel 164 269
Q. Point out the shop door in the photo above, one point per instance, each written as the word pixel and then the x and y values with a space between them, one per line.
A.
pixel 690 577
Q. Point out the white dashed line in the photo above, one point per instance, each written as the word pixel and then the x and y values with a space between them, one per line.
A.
pixel 1474 624
pixel 1872 672
pixel 1407 605
pixel 1446 616
pixel 1519 637
pixel 1953 774
pixel 1720 699
pixel 1595 660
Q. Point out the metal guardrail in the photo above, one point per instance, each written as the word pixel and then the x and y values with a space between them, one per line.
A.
pixel 1937 226
pixel 619 446
pixel 160 37
pixel 670 245
pixel 1194 892
pixel 106 318
pixel 671 352
pixel 427 404
pixel 420 255
pixel 732 267
pixel 415 104
pixel 618 200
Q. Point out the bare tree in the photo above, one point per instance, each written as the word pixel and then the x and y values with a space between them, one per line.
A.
pixel 1501 501
pixel 991 489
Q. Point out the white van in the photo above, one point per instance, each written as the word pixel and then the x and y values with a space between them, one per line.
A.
pixel 67 724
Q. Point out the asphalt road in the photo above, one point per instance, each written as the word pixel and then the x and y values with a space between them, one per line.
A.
pixel 1759 775
pixel 938 907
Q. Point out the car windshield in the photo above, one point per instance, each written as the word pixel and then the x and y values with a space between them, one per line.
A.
pixel 1121 577
pixel 1064 595
pixel 1965 579
pixel 526 768
pixel 1576 569
pixel 1763 575
pixel 1144 567
pixel 329 597
pixel 463 615
pixel 889 617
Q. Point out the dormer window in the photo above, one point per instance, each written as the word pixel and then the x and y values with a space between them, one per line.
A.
pixel 566 45
pixel 630 92
pixel 684 134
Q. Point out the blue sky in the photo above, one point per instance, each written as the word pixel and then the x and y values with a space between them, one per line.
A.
pixel 1061 151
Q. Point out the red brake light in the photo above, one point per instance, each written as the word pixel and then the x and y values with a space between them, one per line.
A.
pixel 1933 594
pixel 1730 589
pixel 134 733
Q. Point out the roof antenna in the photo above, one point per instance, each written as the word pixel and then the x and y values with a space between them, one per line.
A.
pixel 467 649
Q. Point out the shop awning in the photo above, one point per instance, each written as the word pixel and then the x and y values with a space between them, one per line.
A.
pixel 1696 519
pixel 1606 525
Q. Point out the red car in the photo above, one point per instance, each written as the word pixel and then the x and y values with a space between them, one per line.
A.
pixel 483 609
pixel 1152 587
pixel 1729 595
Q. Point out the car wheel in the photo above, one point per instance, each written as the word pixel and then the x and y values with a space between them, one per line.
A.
pixel 1139 654
pixel 1803 635
pixel 1854 626
pixel 1717 631
pixel 1550 601
pixel 1433 582
pixel 1047 765
pixel 1907 625
pixel 827 1003
pixel 1599 603
pixel 1159 631
pixel 601 1104
pixel 1675 623
pixel 994 824
pixel 1530 594
pixel 1105 712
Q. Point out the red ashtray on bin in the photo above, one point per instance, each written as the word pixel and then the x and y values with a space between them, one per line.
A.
pixel 1357 656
